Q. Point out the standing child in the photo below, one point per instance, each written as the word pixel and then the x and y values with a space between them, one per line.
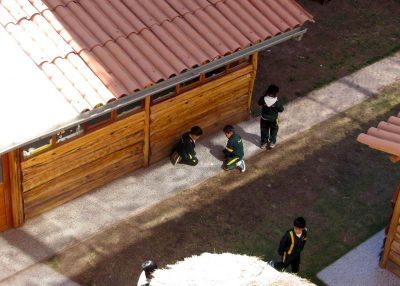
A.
pixel 291 245
pixel 269 122
pixel 184 151
pixel 148 268
pixel 233 151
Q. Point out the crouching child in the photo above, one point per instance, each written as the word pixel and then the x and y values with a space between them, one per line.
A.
pixel 183 152
pixel 233 151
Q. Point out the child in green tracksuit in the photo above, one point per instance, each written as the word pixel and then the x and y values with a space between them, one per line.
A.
pixel 183 152
pixel 269 122
pixel 291 245
pixel 233 151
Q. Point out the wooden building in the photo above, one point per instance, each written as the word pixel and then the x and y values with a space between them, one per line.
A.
pixel 129 77
pixel 386 138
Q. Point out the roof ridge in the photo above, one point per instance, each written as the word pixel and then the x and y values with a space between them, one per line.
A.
pixel 128 44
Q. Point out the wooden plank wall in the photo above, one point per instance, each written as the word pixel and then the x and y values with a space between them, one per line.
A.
pixel 76 167
pixel 210 106
pixel 71 169
pixel 5 196
pixel 393 263
pixel 391 252
pixel 16 188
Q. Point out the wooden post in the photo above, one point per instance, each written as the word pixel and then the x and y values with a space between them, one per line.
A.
pixel 254 61
pixel 17 204
pixel 6 190
pixel 146 147
pixel 394 222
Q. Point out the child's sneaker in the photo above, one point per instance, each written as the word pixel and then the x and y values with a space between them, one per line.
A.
pixel 271 263
pixel 272 145
pixel 264 145
pixel 242 166
pixel 175 158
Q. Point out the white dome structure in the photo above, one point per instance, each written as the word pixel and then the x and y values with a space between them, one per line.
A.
pixel 225 269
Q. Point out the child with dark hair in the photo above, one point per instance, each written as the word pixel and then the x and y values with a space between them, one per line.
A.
pixel 233 151
pixel 291 245
pixel 148 268
pixel 269 122
pixel 183 152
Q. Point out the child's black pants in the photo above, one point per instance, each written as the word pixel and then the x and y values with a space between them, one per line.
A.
pixel 269 131
pixel 293 261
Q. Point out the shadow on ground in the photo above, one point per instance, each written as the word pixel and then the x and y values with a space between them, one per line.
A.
pixel 342 187
pixel 346 36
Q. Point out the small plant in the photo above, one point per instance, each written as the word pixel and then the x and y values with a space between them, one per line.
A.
pixel 54 263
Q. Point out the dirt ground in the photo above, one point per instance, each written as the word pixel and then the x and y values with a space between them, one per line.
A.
pixel 346 36
pixel 342 187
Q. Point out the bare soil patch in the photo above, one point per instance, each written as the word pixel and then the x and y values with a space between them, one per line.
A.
pixel 342 187
pixel 346 36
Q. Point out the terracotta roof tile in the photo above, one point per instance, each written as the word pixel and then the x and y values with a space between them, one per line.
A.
pixel 126 45
pixel 188 6
pixel 386 137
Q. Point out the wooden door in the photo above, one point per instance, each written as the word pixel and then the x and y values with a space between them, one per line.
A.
pixel 5 201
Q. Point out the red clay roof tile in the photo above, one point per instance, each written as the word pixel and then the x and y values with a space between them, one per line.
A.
pixel 126 45
pixel 386 137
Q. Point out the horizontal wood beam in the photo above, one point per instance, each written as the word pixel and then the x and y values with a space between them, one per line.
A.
pixel 185 76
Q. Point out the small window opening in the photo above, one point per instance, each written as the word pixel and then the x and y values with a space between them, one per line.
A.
pixel 215 72
pixel 240 62
pixel 98 121
pixel 68 133
pixel 189 82
pixel 37 146
pixel 167 93
pixel 130 108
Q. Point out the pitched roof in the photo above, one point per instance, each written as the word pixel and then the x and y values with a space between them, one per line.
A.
pixel 386 137
pixel 30 103
pixel 95 51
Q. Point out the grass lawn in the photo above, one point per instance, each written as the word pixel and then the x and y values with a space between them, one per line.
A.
pixel 342 187
pixel 346 36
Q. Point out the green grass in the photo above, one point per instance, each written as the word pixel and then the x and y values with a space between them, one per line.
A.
pixel 350 192
pixel 53 262
pixel 342 188
pixel 357 34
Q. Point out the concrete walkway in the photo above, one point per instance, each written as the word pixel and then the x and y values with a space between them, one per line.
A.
pixel 360 267
pixel 21 250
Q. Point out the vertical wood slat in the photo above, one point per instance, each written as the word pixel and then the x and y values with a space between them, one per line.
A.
pixel 6 182
pixel 17 205
pixel 394 222
pixel 393 267
pixel 146 146
pixel 212 105
pixel 254 63
pixel 80 165
pixel 6 193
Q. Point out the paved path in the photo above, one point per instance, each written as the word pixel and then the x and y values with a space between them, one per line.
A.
pixel 360 267
pixel 22 249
